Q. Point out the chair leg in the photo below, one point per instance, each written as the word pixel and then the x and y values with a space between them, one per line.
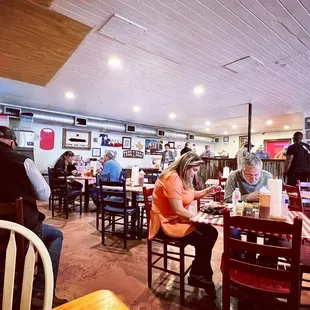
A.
pixel 102 226
pixel 97 218
pixel 226 293
pixel 66 207
pixel 125 229
pixel 182 275
pixel 50 203
pixel 113 223
pixel 53 207
pixel 81 203
pixel 149 263
pixel 165 256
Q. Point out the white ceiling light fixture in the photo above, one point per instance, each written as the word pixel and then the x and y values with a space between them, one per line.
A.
pixel 115 62
pixel 286 127
pixel 234 126
pixel 207 129
pixel 136 108
pixel 225 132
pixel 69 95
pixel 198 90
pixel 172 115
pixel 207 123
pixel 252 130
pixel 269 122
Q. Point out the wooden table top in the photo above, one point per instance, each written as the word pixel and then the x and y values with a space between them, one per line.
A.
pixel 99 300
pixel 305 195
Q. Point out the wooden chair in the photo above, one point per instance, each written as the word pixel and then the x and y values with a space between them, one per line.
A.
pixel 14 212
pixel 166 254
pixel 115 208
pixel 304 186
pixel 61 191
pixel 26 293
pixel 256 281
pixel 219 197
pixel 295 202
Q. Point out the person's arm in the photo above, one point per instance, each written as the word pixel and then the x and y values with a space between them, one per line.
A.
pixel 173 157
pixel 106 168
pixel 207 191
pixel 288 162
pixel 40 187
pixel 177 207
pixel 267 155
pixel 230 186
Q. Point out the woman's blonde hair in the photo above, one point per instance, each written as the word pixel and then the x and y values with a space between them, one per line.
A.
pixel 182 165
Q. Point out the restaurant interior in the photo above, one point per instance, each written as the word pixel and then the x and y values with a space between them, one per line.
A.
pixel 134 82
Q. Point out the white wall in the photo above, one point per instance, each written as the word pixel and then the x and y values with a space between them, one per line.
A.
pixel 45 159
pixel 257 139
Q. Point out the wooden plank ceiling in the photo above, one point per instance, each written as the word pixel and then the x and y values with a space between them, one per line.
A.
pixel 187 43
pixel 35 42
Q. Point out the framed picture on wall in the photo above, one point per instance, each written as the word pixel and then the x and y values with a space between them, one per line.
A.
pixel 307 123
pixel 96 152
pixel 226 139
pixel 76 139
pixel 308 134
pixel 241 140
pixel 172 145
pixel 126 143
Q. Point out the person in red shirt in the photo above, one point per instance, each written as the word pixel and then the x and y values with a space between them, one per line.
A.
pixel 170 216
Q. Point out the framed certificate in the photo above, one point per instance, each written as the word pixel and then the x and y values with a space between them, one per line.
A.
pixel 76 139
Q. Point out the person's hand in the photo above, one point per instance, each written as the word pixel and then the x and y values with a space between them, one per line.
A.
pixel 98 171
pixel 253 196
pixel 75 172
pixel 214 189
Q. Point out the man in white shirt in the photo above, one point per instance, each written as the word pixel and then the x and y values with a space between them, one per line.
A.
pixel 21 178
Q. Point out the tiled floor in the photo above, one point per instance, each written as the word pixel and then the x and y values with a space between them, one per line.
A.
pixel 87 265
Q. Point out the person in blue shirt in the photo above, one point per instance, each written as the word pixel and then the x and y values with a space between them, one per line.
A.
pixel 261 153
pixel 111 166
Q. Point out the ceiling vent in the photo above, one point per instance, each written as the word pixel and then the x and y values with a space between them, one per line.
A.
pixel 191 137
pixel 130 128
pixel 80 121
pixel 216 140
pixel 244 64
pixel 12 112
pixel 160 133
pixel 122 29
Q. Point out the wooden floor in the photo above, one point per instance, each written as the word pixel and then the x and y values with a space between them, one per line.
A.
pixel 86 266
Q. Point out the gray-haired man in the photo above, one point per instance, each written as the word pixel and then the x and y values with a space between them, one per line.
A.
pixel 249 179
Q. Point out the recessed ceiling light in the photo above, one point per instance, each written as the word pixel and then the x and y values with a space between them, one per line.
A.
pixel 198 90
pixel 286 127
pixel 234 126
pixel 172 115
pixel 207 129
pixel 269 122
pixel 69 95
pixel 115 62
pixel 252 130
pixel 136 109
pixel 207 123
pixel 225 132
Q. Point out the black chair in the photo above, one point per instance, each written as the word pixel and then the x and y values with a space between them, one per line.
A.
pixel 62 192
pixel 123 175
pixel 116 210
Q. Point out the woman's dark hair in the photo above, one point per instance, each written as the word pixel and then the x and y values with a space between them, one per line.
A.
pixel 67 154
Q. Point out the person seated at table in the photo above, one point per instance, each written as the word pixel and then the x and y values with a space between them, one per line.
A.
pixel 249 179
pixel 111 166
pixel 170 216
pixel 261 153
pixel 65 163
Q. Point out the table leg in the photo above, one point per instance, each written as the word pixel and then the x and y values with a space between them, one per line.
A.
pixel 134 218
pixel 86 196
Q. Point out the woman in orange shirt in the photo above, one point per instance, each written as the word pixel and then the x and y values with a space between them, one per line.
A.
pixel 172 196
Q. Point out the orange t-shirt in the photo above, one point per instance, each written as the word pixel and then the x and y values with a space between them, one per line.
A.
pixel 162 214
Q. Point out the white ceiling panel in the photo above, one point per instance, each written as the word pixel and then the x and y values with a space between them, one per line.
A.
pixel 187 43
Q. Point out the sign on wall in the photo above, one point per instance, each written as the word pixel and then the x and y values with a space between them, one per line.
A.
pixel 133 154
pixel 153 147
pixel 76 139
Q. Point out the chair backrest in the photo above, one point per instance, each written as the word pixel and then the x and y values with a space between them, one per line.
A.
pixel 34 243
pixel 57 180
pixel 304 186
pixel 123 175
pixel 292 254
pixel 104 177
pixel 113 193
pixel 150 178
pixel 295 200
pixel 147 194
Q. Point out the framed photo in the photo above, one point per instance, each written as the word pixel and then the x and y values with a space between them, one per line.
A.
pixel 76 139
pixel 241 140
pixel 153 147
pixel 126 143
pixel 172 145
pixel 307 123
pixel 308 134
pixel 226 139
pixel 96 152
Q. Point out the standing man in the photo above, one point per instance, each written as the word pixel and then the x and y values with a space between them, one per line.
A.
pixel 21 178
pixel 261 152
pixel 242 153
pixel 186 148
pixel 167 156
pixel 297 162
pixel 207 152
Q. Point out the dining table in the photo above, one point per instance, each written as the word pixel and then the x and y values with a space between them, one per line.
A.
pixel 218 220
pixel 99 300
